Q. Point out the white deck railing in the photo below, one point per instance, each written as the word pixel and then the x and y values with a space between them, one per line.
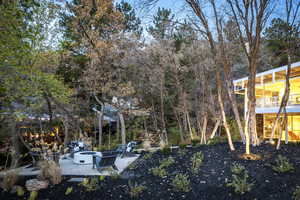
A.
pixel 294 99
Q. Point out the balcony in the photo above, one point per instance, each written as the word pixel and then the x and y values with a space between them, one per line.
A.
pixel 266 102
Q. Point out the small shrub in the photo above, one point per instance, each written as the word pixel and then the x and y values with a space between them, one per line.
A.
pixel 20 191
pixel 135 190
pixel 282 165
pixel 167 162
pixel 216 140
pixel 114 175
pixel 166 150
pixel 182 152
pixel 50 170
pixel 157 171
pixel 133 166
pixel 237 168
pixel 147 156
pixel 196 160
pixel 182 146
pixel 91 184
pixel 33 195
pixel 174 135
pixel 195 142
pixel 181 183
pixel 69 190
pixel 101 178
pixel 10 179
pixel 296 193
pixel 240 181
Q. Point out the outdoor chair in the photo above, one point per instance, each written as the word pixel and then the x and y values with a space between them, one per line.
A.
pixel 36 156
pixel 104 162
pixel 125 149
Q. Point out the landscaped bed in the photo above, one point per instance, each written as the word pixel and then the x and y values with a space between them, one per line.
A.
pixel 206 180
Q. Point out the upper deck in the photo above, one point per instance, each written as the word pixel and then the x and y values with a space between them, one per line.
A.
pixel 270 86
pixel 268 78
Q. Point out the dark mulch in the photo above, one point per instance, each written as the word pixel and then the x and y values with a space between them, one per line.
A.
pixel 209 183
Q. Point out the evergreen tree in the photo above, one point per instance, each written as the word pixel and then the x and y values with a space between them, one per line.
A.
pixel 281 37
pixel 162 24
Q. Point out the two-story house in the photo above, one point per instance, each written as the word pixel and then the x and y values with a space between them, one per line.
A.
pixel 269 90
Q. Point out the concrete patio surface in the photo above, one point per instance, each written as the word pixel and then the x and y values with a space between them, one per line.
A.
pixel 68 167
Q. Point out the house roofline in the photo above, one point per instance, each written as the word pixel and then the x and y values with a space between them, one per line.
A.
pixel 278 69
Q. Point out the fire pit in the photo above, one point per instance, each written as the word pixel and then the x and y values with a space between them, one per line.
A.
pixel 85 157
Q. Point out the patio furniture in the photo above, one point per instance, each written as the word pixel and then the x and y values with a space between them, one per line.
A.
pixel 125 149
pixel 36 156
pixel 85 157
pixel 104 162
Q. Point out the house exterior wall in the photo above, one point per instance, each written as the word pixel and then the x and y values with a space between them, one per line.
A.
pixel 269 89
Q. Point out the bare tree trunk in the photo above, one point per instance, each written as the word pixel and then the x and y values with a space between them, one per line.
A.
pixel 15 154
pixel 283 123
pixel 66 132
pixel 100 120
pixel 122 122
pixel 26 145
pixel 179 126
pixel 189 125
pixel 203 132
pixel 226 66
pixel 215 129
pixel 154 116
pixel 285 98
pixel 118 129
pixel 286 128
pixel 234 107
pixel 162 112
pixel 220 100
pixel 251 104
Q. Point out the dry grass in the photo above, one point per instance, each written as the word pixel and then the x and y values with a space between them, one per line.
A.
pixel 50 170
pixel 147 145
pixel 10 179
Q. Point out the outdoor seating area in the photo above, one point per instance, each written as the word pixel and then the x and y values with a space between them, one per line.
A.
pixel 86 163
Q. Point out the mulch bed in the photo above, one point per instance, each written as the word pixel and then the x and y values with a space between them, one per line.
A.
pixel 209 183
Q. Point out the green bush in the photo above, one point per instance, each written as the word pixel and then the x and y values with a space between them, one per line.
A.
pixel 33 195
pixel 195 142
pixel 196 160
pixel 133 166
pixel 20 191
pixel 296 193
pixel 90 184
pixel 181 183
pixel 147 156
pixel 216 140
pixel 234 130
pixel 167 162
pixel 174 136
pixel 240 181
pixel 182 152
pixel 282 165
pixel 157 171
pixel 237 168
pixel 182 146
pixel 114 175
pixel 69 190
pixel 135 190
pixel 166 150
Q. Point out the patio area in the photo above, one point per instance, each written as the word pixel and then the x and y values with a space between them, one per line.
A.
pixel 68 167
